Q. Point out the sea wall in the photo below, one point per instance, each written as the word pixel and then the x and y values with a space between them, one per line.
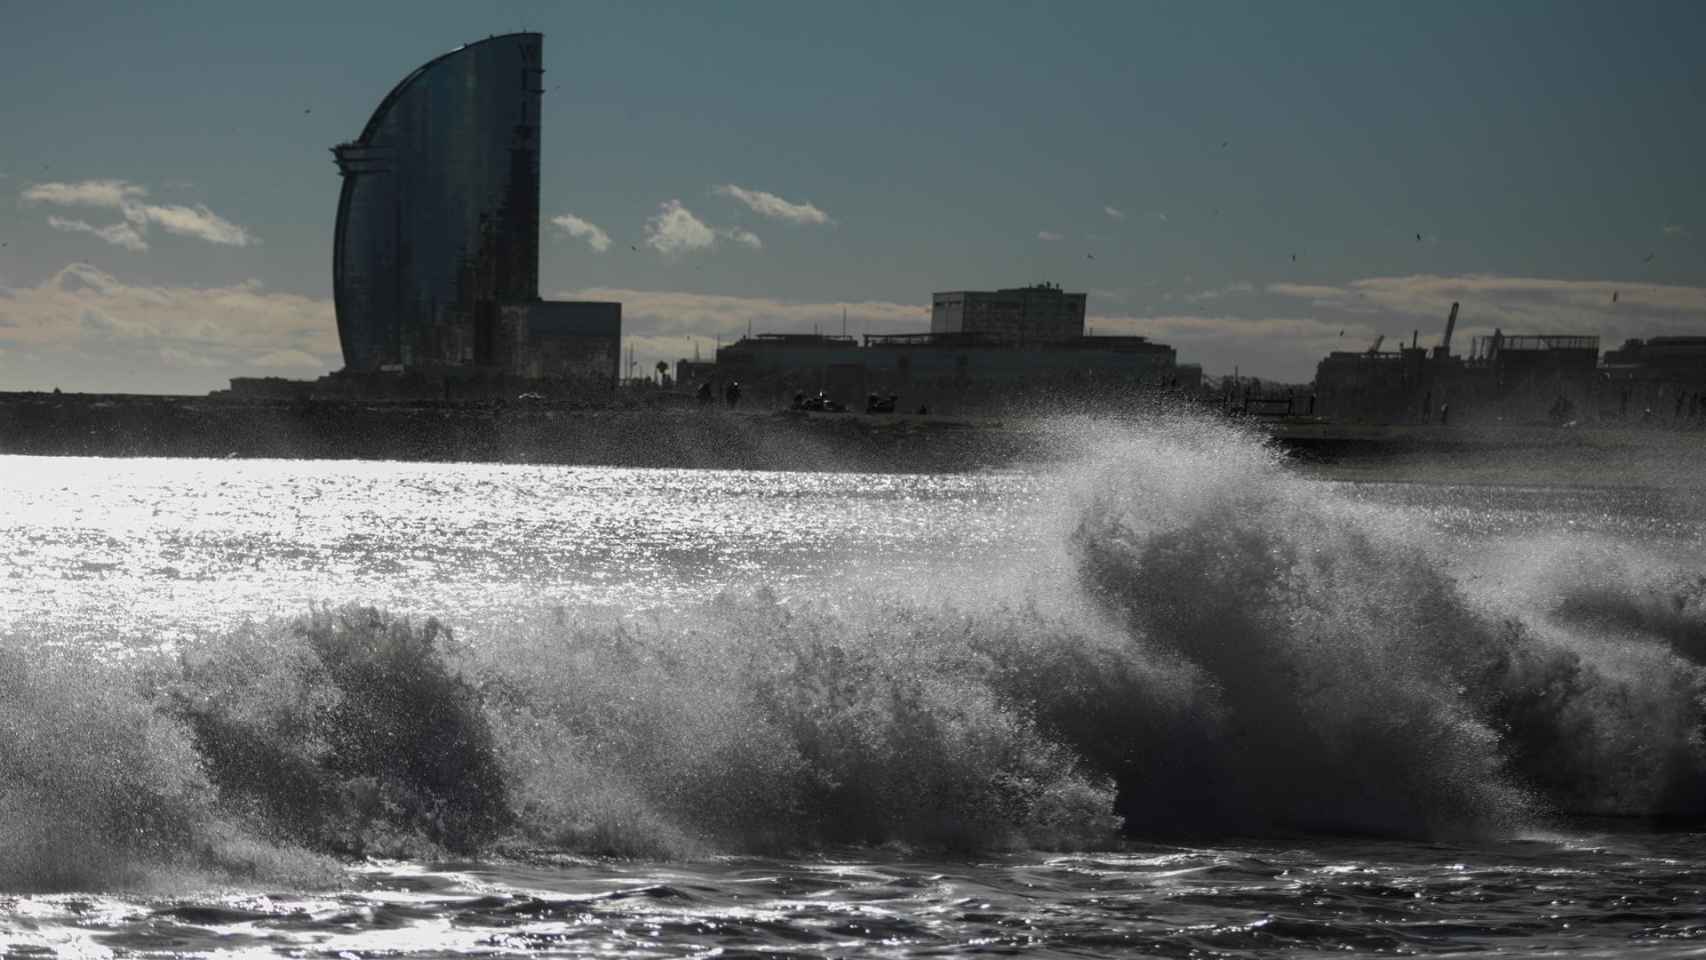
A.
pixel 144 426
pixel 720 438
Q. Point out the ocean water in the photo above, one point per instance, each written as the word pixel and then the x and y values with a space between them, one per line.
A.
pixel 1172 695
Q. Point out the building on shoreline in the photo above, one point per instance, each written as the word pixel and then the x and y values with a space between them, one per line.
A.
pixel 1038 313
pixel 1525 378
pixel 436 249
pixel 1662 378
pixel 1017 347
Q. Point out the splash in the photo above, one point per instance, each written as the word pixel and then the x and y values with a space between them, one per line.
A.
pixel 1208 644
pixel 1348 681
pixel 102 789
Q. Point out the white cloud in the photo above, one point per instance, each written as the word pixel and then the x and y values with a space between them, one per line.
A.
pixel 743 237
pixel 1049 236
pixel 590 232
pixel 1285 348
pixel 198 222
pixel 654 312
pixel 131 232
pixel 120 234
pixel 1230 290
pixel 674 229
pixel 665 325
pixel 86 193
pixel 1114 212
pixel 89 330
pixel 770 205
pixel 1529 304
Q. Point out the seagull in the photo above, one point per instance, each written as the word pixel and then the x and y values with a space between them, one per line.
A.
pixel 1090 256
pixel 1418 238
pixel 307 110
pixel 1614 296
pixel 1647 259
pixel 633 248
pixel 1223 144
pixel 1294 258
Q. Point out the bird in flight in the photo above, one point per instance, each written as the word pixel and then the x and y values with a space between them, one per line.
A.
pixel 1614 296
pixel 1418 238
pixel 1090 256
pixel 1294 258
pixel 1647 259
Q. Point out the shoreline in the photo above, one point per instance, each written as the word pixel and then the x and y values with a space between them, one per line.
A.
pixel 691 437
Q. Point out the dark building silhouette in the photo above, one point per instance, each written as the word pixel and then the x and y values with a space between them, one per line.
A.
pixel 1504 377
pixel 436 251
pixel 1041 312
pixel 1017 347
pixel 1662 378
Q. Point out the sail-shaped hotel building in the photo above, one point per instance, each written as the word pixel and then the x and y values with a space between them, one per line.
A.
pixel 436 252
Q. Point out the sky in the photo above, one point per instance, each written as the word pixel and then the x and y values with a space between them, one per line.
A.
pixel 1255 184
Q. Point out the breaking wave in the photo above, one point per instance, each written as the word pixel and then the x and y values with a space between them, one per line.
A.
pixel 1213 645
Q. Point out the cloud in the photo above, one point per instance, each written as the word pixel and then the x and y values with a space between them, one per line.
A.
pixel 1533 304
pixel 1230 290
pixel 1049 236
pixel 674 230
pixel 1114 212
pixel 198 221
pixel 85 329
pixel 774 207
pixel 664 325
pixel 87 193
pixel 590 232
pixel 705 314
pixel 743 237
pixel 1270 346
pixel 120 234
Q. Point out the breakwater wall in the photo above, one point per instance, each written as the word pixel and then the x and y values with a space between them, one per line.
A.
pixel 718 438
pixel 159 426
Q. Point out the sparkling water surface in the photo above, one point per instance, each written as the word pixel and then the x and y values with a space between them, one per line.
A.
pixel 142 552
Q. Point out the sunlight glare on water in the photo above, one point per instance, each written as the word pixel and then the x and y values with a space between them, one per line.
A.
pixel 165 545
pixel 913 687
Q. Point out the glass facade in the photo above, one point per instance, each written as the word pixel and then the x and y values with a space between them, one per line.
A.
pixel 438 221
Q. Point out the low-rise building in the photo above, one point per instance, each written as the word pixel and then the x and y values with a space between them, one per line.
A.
pixel 1039 313
pixel 1659 379
pixel 945 372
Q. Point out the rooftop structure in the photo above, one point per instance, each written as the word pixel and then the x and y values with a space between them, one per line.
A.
pixel 1042 312
pixel 944 371
pixel 1681 354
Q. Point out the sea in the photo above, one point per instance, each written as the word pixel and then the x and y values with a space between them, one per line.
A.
pixel 1170 693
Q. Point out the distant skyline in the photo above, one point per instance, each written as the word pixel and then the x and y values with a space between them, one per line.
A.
pixel 1255 184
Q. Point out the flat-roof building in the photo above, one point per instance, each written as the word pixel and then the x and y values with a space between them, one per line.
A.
pixel 1038 313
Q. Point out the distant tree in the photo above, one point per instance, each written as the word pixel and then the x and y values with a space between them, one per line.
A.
pixel 663 371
